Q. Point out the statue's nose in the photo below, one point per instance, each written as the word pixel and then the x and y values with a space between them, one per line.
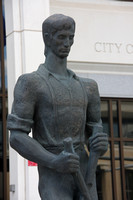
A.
pixel 66 42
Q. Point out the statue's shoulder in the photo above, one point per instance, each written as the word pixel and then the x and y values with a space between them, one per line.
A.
pixel 27 77
pixel 91 88
pixel 88 83
pixel 27 81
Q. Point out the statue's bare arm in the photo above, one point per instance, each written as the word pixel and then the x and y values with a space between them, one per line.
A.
pixel 30 149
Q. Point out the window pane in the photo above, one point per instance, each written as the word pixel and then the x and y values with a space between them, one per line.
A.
pixel 105 116
pixel 1 182
pixel 118 171
pixel 104 177
pixel 1 129
pixel 0 68
pixel 127 119
pixel 128 165
pixel 115 119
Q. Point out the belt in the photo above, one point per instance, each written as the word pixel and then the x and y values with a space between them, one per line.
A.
pixel 59 148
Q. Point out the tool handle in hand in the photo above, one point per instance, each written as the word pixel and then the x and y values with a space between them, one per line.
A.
pixel 93 159
pixel 92 165
pixel 78 178
pixel 68 145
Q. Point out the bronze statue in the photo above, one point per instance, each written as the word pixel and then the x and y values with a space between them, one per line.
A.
pixel 57 104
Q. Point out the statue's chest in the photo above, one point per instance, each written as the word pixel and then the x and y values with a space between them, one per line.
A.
pixel 63 106
pixel 66 93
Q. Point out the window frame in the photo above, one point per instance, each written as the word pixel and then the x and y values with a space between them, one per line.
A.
pixel 120 139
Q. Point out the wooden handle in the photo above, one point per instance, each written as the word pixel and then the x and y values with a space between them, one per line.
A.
pixel 78 178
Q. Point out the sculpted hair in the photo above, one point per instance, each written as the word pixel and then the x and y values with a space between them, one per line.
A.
pixel 54 23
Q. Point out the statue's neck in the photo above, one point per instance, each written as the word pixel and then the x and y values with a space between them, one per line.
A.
pixel 56 65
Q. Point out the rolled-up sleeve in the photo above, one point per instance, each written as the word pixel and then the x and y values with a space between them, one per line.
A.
pixel 16 123
pixel 21 117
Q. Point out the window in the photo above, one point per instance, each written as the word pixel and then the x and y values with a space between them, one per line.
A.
pixel 115 168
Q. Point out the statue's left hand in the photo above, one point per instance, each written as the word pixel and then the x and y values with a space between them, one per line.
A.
pixel 99 143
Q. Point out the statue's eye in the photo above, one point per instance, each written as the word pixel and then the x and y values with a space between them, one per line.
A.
pixel 61 37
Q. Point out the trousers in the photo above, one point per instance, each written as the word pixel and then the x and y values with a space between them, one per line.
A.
pixel 61 186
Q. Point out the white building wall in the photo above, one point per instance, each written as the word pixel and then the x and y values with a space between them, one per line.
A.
pixel 103 32
pixel 103 50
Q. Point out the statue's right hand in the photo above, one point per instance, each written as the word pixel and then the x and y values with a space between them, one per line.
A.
pixel 66 163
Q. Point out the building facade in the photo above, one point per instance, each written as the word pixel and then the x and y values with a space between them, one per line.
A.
pixel 103 51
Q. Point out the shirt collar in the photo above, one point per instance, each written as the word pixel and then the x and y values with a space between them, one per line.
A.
pixel 42 69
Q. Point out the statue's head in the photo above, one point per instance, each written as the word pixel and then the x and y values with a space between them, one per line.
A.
pixel 58 34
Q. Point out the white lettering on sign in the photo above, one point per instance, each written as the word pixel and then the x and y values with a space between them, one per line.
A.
pixel 108 47
pixel 129 48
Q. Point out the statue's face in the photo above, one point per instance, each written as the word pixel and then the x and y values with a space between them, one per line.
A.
pixel 62 41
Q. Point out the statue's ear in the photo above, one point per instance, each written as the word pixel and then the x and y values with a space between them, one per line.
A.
pixel 46 39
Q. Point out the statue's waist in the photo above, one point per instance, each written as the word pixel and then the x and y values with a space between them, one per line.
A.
pixel 59 148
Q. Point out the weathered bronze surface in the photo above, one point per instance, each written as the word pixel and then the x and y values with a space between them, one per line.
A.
pixel 56 104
